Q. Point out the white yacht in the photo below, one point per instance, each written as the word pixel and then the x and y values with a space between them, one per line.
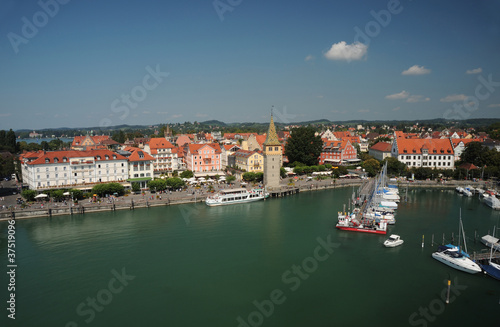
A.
pixel 393 241
pixel 453 258
pixel 492 202
pixel 237 195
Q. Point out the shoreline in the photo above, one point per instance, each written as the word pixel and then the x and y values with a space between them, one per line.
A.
pixel 134 203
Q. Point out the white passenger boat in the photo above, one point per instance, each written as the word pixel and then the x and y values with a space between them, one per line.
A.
pixel 393 241
pixel 234 196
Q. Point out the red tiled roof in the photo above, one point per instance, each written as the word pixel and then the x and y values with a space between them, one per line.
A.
pixel 75 154
pixel 435 146
pixel 382 146
pixel 139 155
pixel 465 141
pixel 160 143
pixel 194 148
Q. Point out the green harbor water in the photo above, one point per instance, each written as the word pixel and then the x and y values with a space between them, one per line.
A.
pixel 279 262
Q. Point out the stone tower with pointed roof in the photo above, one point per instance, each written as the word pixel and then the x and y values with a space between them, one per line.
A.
pixel 272 157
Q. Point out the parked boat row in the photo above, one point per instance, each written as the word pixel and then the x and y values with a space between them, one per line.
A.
pixel 375 213
pixel 489 197
pixel 458 258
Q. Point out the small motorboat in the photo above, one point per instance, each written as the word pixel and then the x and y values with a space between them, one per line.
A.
pixel 393 241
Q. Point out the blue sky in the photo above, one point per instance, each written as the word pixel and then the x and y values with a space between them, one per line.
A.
pixel 92 63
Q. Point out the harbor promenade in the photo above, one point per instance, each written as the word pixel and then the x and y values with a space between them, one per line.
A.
pixel 194 195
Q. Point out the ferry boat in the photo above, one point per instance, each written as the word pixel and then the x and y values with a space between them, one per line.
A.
pixel 348 222
pixel 234 196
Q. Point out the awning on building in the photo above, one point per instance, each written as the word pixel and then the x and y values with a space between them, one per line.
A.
pixel 139 179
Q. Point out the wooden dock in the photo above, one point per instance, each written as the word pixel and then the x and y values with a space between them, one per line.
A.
pixel 283 192
pixel 484 256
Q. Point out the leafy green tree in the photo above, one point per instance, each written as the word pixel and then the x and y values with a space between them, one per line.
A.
pixel 119 137
pixel 230 179
pixel 299 170
pixel 282 172
pixel 10 141
pixel 187 174
pixel 474 153
pixel 303 146
pixel 372 167
pixel 394 166
pixel 57 195
pixel 29 195
pixel 175 182
pixel 7 166
pixel 76 194
pixel 259 177
pixel 248 177
pixel 109 188
pixel 157 184
pixel 136 187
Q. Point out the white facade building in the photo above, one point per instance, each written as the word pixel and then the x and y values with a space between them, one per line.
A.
pixel 65 169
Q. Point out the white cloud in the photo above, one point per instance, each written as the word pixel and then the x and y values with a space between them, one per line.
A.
pixel 162 112
pixel 474 71
pixel 416 70
pixel 344 51
pixel 320 96
pixel 396 109
pixel 309 58
pixel 364 110
pixel 494 105
pixel 201 115
pixel 454 98
pixel 177 116
pixel 6 114
pixel 146 112
pixel 401 95
pixel 417 98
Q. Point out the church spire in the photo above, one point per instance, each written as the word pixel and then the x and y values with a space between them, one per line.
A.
pixel 272 137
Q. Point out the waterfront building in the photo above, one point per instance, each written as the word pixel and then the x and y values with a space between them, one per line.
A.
pixel 164 154
pixel 65 169
pixel 250 161
pixel 429 153
pixel 140 165
pixel 203 157
pixel 381 150
pixel 273 157
pixel 338 153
